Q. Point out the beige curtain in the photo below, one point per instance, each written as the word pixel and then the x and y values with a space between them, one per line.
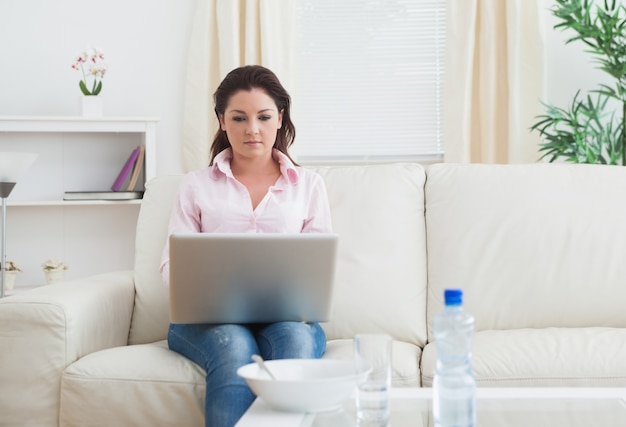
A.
pixel 494 80
pixel 226 34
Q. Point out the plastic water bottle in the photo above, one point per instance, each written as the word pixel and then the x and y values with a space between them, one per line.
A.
pixel 454 386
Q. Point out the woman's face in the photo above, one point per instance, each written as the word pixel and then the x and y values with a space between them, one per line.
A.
pixel 251 121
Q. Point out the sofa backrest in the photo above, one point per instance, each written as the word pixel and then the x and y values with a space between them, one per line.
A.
pixel 151 313
pixel 533 246
pixel 378 212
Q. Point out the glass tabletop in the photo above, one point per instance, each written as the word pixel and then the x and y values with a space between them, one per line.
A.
pixel 505 408
pixel 496 407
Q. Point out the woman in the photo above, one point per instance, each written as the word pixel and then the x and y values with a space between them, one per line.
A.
pixel 251 186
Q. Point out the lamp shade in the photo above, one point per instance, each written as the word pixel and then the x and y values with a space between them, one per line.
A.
pixel 12 167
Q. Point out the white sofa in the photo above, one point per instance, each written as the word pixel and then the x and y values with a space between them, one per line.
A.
pixel 540 251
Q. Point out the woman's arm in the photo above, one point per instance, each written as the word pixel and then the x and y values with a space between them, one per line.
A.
pixel 185 218
pixel 319 218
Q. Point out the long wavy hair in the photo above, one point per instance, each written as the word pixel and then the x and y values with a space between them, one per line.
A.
pixel 246 78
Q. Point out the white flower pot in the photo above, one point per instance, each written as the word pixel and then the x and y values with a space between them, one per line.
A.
pixel 9 280
pixel 54 276
pixel 91 106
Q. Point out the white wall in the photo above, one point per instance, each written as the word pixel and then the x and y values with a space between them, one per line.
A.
pixel 145 43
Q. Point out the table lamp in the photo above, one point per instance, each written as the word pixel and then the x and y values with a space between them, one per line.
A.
pixel 12 166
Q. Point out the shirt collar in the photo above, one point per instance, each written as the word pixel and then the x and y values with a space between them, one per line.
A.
pixel 221 166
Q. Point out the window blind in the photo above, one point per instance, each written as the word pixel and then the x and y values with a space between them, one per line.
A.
pixel 369 80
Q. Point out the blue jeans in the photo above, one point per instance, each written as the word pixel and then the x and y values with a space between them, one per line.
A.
pixel 222 349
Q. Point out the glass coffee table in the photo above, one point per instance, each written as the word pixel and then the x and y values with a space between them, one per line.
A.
pixel 497 407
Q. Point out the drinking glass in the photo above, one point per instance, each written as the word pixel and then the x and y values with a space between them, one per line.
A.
pixel 372 398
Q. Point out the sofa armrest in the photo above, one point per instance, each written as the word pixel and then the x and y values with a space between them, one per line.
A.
pixel 44 330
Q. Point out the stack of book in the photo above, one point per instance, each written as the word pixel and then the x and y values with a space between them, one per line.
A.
pixel 123 187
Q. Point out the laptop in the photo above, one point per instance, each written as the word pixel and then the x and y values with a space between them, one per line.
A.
pixel 251 278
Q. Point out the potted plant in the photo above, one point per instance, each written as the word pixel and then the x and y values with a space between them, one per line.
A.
pixel 10 274
pixel 587 131
pixel 54 270
pixel 91 64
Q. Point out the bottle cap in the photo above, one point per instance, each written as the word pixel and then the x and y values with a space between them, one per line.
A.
pixel 453 296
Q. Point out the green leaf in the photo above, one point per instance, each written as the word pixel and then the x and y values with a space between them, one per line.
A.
pixel 83 88
pixel 98 88
pixel 585 131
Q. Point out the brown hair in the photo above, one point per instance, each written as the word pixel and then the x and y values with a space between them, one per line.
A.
pixel 246 78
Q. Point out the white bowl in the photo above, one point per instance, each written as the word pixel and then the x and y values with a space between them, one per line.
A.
pixel 303 385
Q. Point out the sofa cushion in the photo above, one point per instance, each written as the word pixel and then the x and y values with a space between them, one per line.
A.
pixel 551 357
pixel 533 246
pixel 381 271
pixel 150 377
pixel 151 314
pixel 378 212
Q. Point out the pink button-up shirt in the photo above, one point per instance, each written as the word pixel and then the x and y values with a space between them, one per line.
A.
pixel 211 200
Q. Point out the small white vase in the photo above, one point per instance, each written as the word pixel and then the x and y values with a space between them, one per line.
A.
pixel 91 106
pixel 54 276
pixel 9 280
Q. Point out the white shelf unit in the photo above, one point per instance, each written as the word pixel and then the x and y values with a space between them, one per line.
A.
pixel 75 154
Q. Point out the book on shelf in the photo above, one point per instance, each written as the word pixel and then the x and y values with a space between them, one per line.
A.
pixel 126 169
pixel 102 195
pixel 132 183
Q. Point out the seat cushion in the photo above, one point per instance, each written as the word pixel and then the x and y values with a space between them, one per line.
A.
pixel 166 388
pixel 155 380
pixel 554 357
